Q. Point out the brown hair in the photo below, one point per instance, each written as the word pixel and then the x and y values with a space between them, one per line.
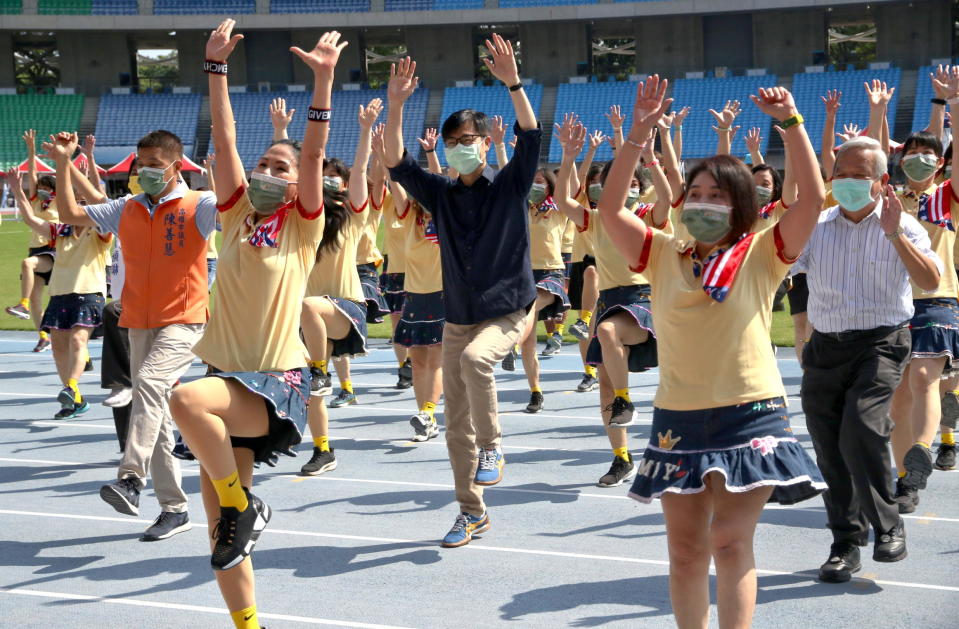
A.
pixel 734 178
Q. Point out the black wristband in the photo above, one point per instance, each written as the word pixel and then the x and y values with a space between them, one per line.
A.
pixel 214 67
pixel 937 101
pixel 516 88
pixel 429 151
pixel 319 115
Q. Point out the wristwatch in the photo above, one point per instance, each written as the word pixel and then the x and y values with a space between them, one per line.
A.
pixel 896 234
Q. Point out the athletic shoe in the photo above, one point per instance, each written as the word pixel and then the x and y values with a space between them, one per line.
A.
pixel 181 450
pixel 343 398
pixel 918 464
pixel 535 402
pixel 623 412
pixel 464 528
pixel 119 397
pixel 320 383
pixel 580 330
pixel 424 427
pixel 73 410
pixel 489 471
pixel 166 525
pixel 66 397
pixel 19 311
pixel 946 457
pixel 553 344
pixel 842 563
pixel 321 461
pixel 123 495
pixel 89 365
pixel 906 497
pixel 236 532
pixel 43 344
pixel 405 375
pixel 509 363
pixel 588 383
pixel 619 472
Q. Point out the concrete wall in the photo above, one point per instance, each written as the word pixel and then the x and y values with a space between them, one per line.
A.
pixel 438 61
pixel 669 46
pixel 93 62
pixel 783 42
pixel 910 34
pixel 6 60
pixel 268 57
pixel 551 51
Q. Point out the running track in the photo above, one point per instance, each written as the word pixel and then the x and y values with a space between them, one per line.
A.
pixel 358 547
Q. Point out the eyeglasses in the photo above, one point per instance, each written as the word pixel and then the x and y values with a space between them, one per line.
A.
pixel 466 139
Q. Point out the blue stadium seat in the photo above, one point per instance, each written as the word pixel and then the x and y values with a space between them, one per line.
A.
pixel 591 101
pixel 433 5
pixel 493 101
pixel 321 6
pixel 541 3
pixel 115 7
pixel 809 88
pixel 204 7
pixel 924 91
pixel 123 119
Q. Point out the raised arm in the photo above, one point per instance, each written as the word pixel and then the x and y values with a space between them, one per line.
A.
pixel 945 84
pixel 879 96
pixel 61 148
pixel 403 82
pixel 798 223
pixel 754 142
pixel 208 162
pixel 596 139
pixel 428 144
pixel 400 198
pixel 628 231
pixel 832 102
pixel 15 183
pixel 367 117
pixel 678 133
pixel 93 173
pixel 789 193
pixel 724 126
pixel 280 119
pixel 30 139
pixel 660 184
pixel 502 64
pixel 498 134
pixel 322 61
pixel 616 118
pixel 228 170
pixel 571 137
pixel 669 161
pixel 920 267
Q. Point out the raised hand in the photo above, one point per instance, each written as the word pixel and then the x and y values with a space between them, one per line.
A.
pixel 61 145
pixel 681 115
pixel 379 148
pixel 497 130
pixel 650 105
pixel 945 82
pixel 850 130
pixel 403 81
pixel 370 113
pixel 89 143
pixel 754 140
pixel 512 142
pixel 14 179
pixel 30 139
pixel 665 121
pixel 615 117
pixel 502 61
pixel 569 121
pixel 891 211
pixel 222 41
pixel 572 137
pixel 831 101
pixel 782 134
pixel 726 117
pixel 776 102
pixel 878 93
pixel 208 161
pixel 596 139
pixel 279 116
pixel 323 57
pixel 428 141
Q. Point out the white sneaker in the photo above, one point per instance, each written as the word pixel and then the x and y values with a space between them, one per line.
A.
pixel 118 397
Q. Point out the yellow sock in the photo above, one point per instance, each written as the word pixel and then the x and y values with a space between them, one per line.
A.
pixel 230 492
pixel 948 438
pixel 245 618
pixel 622 453
pixel 401 363
pixel 44 335
pixel 923 444
pixel 586 316
pixel 560 327
pixel 347 385
pixel 319 364
pixel 74 385
pixel 430 409
pixel 535 390
pixel 956 392
pixel 590 371
pixel 323 443
pixel 623 393
pixel 901 474
pixel 25 303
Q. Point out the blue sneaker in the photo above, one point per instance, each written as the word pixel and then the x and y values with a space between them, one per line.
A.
pixel 490 468
pixel 73 410
pixel 464 528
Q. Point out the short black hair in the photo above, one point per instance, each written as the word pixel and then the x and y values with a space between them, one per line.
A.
pixel 166 141
pixel 339 166
pixel 923 138
pixel 47 181
pixel 777 179
pixel 465 116
pixel 294 145
pixel 637 174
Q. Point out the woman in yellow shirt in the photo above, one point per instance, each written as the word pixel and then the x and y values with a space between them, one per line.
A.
pixel 721 444
pixel 253 402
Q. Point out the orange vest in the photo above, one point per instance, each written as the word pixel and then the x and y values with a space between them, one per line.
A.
pixel 165 260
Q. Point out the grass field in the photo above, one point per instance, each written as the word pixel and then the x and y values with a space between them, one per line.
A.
pixel 13 246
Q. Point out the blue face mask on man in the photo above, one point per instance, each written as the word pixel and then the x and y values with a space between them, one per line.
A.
pixel 852 194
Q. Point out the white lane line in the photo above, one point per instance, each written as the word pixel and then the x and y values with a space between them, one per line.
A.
pixel 5 394
pixel 476 547
pixel 134 602
pixel 406 411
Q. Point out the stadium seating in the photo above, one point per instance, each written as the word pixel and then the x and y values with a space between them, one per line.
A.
pixel 509 4
pixel 207 7
pixel 808 89
pixel 115 7
pixel 46 114
pixel 491 100
pixel 11 7
pixel 924 91
pixel 123 119
pixel 254 132
pixel 591 101
pixel 433 5
pixel 65 7
pixel 325 6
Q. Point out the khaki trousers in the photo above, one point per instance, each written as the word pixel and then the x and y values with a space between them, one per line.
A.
pixel 158 358
pixel 470 353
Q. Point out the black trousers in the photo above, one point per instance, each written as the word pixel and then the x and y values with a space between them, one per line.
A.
pixel 847 389
pixel 115 364
pixel 121 422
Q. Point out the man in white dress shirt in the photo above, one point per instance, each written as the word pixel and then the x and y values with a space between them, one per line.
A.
pixel 859 262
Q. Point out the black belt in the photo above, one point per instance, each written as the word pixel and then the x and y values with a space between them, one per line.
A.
pixel 858 335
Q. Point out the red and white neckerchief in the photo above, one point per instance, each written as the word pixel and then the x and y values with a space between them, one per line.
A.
pixel 429 228
pixel 642 209
pixel 267 233
pixel 936 208
pixel 59 230
pixel 548 205
pixel 766 211
pixel 721 267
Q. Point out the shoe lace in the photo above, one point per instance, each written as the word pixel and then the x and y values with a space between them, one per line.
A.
pixel 487 460
pixel 460 523
pixel 224 530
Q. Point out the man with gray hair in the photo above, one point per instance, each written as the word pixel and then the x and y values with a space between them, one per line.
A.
pixel 858 263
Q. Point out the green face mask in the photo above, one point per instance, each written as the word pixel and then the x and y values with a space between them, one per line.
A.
pixel 763 195
pixel 632 197
pixel 266 193
pixel 465 158
pixel 594 191
pixel 152 180
pixel 919 166
pixel 706 222
pixel 332 184
pixel 537 194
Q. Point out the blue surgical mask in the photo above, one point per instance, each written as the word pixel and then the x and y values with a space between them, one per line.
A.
pixel 632 197
pixel 465 158
pixel 852 194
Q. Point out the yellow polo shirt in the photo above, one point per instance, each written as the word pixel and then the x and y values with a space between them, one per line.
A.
pixel 424 274
pixel 82 260
pixel 569 237
pixel 47 211
pixel 612 266
pixel 943 242
pixel 334 273
pixel 255 322
pixel 583 241
pixel 366 249
pixel 779 208
pixel 546 231
pixel 394 239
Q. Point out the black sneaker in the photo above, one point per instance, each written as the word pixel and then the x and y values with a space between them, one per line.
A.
pixel 588 383
pixel 623 412
pixel 906 497
pixel 946 457
pixel 509 363
pixel 891 545
pixel 343 398
pixel 320 383
pixel 89 365
pixel 553 344
pixel 918 464
pixel 842 563
pixel 619 472
pixel 405 375
pixel 236 532
pixel 123 495
pixel 580 330
pixel 166 525
pixel 321 461
pixel 535 402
